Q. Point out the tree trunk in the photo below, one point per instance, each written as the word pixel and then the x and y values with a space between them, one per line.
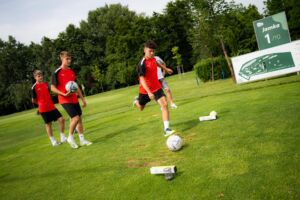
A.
pixel 179 71
pixel 228 61
pixel 101 86
pixel 182 70
pixel 212 70
pixel 212 67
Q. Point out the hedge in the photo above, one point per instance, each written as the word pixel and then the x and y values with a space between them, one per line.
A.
pixel 203 68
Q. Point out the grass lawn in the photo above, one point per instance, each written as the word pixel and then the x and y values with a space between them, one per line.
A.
pixel 252 151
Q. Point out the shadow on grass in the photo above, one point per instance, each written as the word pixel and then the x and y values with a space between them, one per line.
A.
pixel 114 134
pixel 184 146
pixel 119 132
pixel 11 178
pixel 8 178
pixel 178 173
pixel 102 124
pixel 187 125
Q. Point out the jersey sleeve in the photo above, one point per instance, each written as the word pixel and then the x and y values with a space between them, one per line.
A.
pixel 159 60
pixel 141 68
pixel 54 80
pixel 33 93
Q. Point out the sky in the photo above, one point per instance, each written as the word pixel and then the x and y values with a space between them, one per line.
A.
pixel 31 20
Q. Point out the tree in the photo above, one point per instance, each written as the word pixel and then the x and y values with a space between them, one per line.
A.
pixel 274 6
pixel 98 75
pixel 292 10
pixel 177 57
pixel 15 78
pixel 172 28
pixel 72 40
pixel 44 57
pixel 223 27
pixel 210 13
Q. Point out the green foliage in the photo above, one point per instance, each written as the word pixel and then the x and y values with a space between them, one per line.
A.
pixel 86 81
pixel 15 76
pixel 172 28
pixel 234 25
pixel 176 56
pixel 19 94
pixel 239 34
pixel 292 10
pixel 98 75
pixel 203 69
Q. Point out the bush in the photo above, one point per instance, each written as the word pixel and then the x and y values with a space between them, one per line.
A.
pixel 203 68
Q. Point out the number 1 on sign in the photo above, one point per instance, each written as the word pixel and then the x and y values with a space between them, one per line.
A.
pixel 267 36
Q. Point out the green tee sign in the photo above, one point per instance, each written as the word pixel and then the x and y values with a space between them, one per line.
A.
pixel 272 31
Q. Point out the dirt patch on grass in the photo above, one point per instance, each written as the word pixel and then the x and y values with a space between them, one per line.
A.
pixel 141 163
pixel 190 137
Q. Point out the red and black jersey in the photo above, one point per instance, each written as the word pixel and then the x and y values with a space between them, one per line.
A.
pixel 60 78
pixel 147 68
pixel 41 92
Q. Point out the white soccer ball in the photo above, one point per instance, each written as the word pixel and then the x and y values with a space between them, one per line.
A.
pixel 174 142
pixel 71 86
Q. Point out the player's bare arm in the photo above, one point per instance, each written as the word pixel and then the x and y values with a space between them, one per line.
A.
pixel 33 101
pixel 81 97
pixel 57 91
pixel 163 66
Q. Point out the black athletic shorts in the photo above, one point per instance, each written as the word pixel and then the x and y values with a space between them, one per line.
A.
pixel 144 98
pixel 73 109
pixel 50 116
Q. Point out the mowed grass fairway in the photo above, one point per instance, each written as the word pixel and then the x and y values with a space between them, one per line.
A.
pixel 252 151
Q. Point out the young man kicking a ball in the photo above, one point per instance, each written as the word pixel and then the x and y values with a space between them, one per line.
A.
pixel 41 96
pixel 69 101
pixel 150 87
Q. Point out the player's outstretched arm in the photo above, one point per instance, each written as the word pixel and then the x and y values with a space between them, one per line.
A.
pixel 163 66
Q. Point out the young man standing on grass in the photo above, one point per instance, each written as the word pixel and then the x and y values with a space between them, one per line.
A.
pixel 41 96
pixel 69 102
pixel 163 82
pixel 150 87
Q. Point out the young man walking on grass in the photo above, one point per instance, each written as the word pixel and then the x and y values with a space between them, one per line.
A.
pixel 41 96
pixel 150 87
pixel 69 101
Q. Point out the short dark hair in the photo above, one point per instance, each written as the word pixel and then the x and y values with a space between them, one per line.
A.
pixel 150 44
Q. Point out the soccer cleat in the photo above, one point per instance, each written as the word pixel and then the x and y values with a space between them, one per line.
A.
pixel 136 98
pixel 173 105
pixel 168 132
pixel 55 143
pixel 63 139
pixel 85 143
pixel 72 143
